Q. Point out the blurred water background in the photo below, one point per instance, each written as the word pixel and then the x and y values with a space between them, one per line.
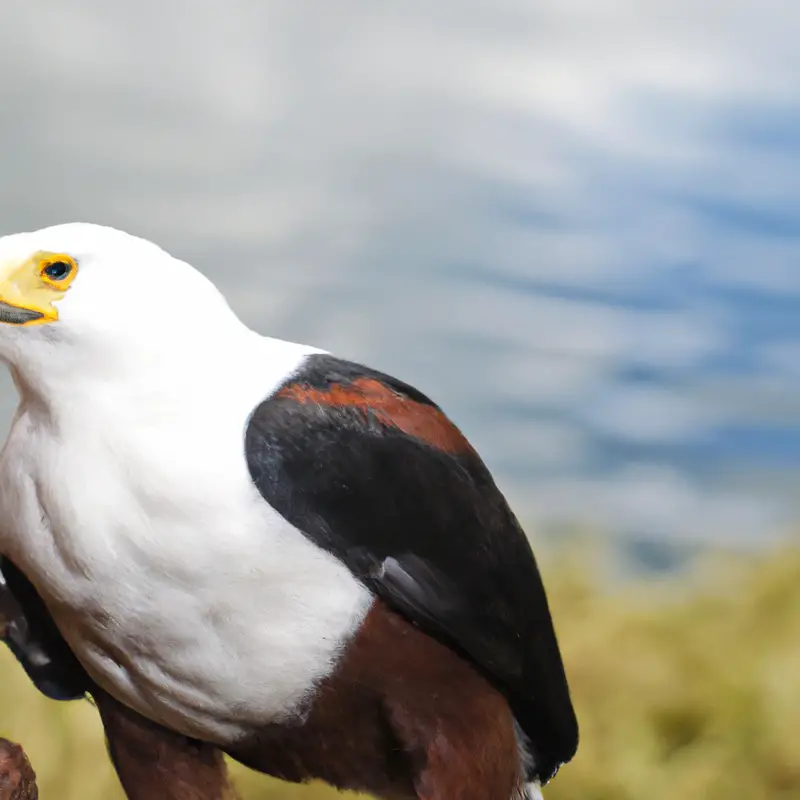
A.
pixel 575 225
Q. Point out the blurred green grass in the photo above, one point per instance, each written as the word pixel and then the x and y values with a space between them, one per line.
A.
pixel 686 687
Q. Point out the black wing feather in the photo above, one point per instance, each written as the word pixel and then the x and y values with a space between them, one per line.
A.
pixel 30 633
pixel 424 527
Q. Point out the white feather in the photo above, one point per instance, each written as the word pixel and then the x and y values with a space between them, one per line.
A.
pixel 125 496
pixel 534 791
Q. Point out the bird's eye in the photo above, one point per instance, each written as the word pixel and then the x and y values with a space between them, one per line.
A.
pixel 58 270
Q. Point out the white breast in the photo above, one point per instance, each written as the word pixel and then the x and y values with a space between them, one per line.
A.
pixel 180 589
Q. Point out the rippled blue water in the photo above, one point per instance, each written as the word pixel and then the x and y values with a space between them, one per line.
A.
pixel 579 234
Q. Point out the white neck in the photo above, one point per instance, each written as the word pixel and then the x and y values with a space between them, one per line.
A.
pixel 196 370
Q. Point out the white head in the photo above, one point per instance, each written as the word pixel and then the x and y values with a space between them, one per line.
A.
pixel 84 300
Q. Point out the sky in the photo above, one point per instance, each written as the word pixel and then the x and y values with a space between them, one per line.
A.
pixel 576 225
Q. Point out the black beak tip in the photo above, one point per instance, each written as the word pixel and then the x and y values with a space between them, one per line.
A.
pixel 17 316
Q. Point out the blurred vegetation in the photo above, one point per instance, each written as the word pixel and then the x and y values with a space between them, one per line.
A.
pixel 686 687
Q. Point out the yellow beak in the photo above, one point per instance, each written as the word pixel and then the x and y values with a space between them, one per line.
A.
pixel 26 295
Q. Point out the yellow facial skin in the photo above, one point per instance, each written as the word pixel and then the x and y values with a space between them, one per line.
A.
pixel 28 289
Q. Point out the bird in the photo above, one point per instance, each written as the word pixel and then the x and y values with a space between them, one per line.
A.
pixel 244 545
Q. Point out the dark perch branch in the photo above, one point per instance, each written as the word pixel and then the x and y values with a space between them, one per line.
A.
pixel 17 778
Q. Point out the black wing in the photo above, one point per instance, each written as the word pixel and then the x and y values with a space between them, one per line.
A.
pixel 373 471
pixel 28 630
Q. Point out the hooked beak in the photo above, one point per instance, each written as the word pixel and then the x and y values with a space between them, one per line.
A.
pixel 14 315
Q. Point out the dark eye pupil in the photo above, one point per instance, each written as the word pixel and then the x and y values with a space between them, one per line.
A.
pixel 58 271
